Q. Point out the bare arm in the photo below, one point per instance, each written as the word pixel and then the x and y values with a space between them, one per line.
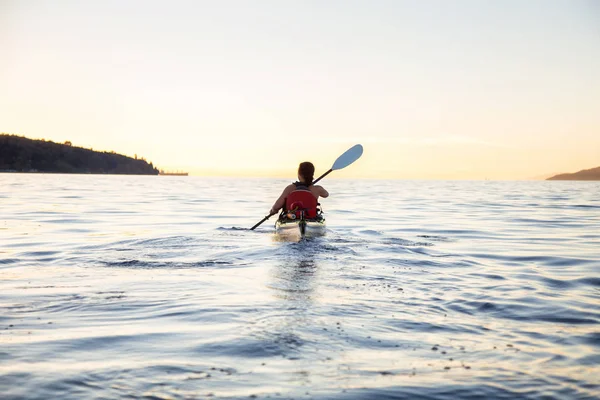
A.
pixel 322 192
pixel 281 200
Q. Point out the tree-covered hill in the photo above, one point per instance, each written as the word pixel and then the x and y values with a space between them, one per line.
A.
pixel 20 154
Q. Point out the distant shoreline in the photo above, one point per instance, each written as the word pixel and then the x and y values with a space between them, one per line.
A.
pixel 592 174
pixel 286 179
pixel 69 173
pixel 19 154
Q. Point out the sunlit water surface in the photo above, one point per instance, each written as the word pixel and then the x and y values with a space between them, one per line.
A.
pixel 153 287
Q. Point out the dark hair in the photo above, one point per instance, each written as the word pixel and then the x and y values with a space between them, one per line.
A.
pixel 307 170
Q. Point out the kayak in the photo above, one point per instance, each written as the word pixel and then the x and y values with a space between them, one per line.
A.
pixel 302 216
pixel 301 227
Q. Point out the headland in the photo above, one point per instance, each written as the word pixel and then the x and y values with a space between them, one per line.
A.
pixel 20 154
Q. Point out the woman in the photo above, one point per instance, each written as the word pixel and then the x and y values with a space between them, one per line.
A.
pixel 306 172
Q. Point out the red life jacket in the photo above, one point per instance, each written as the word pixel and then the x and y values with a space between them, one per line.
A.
pixel 302 200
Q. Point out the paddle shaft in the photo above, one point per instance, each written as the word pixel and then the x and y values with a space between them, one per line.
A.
pixel 322 176
pixel 261 221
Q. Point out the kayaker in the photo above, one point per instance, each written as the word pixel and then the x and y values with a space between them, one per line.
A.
pixel 306 172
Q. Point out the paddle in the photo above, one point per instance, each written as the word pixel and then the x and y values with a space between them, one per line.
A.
pixel 351 155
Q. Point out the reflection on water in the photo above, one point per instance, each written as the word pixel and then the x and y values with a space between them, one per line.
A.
pixel 294 281
pixel 137 287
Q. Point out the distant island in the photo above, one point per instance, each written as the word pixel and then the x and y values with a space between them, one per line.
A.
pixel 583 175
pixel 20 154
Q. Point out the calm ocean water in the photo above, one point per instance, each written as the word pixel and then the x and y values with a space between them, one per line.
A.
pixel 152 287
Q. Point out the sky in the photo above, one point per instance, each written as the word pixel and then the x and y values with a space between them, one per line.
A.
pixel 432 89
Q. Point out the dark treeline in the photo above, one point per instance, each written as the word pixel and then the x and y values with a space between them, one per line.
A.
pixel 20 154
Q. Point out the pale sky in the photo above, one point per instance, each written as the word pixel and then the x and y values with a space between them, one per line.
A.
pixel 431 89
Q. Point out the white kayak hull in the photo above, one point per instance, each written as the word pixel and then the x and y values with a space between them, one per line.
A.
pixel 296 228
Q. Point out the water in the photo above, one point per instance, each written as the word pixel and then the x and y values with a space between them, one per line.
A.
pixel 152 287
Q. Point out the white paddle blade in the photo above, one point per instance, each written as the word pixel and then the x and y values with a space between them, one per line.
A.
pixel 348 157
